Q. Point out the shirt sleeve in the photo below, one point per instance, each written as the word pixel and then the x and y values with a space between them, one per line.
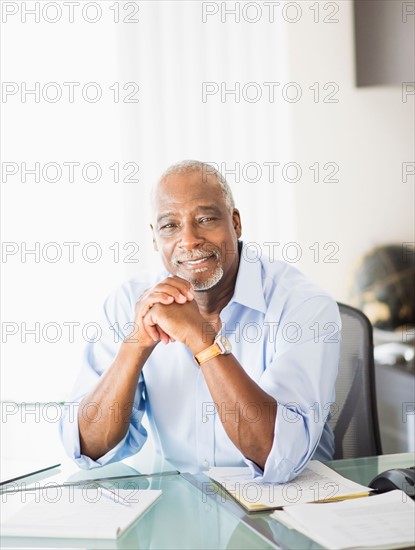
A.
pixel 100 352
pixel 301 378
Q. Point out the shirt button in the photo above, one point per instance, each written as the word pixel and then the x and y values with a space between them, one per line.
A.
pixel 205 419
pixel 205 464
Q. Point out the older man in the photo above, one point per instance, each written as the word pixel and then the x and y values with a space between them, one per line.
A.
pixel 233 360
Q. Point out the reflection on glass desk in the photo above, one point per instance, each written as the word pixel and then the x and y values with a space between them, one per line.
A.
pixel 188 515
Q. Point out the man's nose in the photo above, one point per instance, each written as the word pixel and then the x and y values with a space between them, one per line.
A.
pixel 190 236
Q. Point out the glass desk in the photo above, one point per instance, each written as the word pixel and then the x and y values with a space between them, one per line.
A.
pixel 187 515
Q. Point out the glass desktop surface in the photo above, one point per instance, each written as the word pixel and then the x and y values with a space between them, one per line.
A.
pixel 181 518
pixel 360 470
pixel 363 470
pixel 187 517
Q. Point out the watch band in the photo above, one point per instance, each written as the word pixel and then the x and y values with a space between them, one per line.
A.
pixel 220 346
pixel 208 353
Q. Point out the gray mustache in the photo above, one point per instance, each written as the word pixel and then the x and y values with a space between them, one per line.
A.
pixel 196 255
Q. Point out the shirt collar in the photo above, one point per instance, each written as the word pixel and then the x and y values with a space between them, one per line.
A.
pixel 248 286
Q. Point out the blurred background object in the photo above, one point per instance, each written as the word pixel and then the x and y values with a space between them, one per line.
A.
pixel 383 287
pixel 385 39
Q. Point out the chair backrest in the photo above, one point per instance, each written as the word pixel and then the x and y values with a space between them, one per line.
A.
pixel 355 420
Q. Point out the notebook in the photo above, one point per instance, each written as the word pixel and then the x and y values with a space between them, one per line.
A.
pixel 78 512
pixel 317 482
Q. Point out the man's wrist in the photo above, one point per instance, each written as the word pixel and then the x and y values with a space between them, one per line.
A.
pixel 136 351
pixel 200 340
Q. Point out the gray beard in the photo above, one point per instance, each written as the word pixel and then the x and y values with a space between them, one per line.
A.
pixel 198 285
pixel 212 281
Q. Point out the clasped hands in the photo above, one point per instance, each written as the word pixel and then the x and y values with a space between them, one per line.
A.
pixel 168 312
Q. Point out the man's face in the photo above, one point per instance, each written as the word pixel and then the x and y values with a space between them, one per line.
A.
pixel 194 231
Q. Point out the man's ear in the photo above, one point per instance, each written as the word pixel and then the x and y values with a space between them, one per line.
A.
pixel 236 221
pixel 154 239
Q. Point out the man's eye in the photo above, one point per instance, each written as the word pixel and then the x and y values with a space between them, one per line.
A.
pixel 206 220
pixel 167 226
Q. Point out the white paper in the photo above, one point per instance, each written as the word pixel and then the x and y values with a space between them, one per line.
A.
pixel 316 482
pixel 380 521
pixel 75 512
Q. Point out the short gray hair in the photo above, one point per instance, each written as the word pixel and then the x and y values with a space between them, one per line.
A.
pixel 187 166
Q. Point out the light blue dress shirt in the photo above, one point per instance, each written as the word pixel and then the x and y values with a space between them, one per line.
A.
pixel 285 332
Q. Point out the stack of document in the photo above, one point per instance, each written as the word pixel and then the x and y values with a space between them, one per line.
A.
pixel 79 512
pixel 381 521
pixel 327 507
pixel 316 483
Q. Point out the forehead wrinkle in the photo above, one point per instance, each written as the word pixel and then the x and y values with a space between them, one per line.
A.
pixel 198 208
pixel 176 206
pixel 165 215
pixel 167 198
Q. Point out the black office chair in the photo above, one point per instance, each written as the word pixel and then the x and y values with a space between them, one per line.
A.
pixel 355 420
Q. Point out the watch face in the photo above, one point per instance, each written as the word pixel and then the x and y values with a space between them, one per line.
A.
pixel 224 344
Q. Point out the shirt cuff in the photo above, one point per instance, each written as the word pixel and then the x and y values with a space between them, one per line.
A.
pixel 290 451
pixel 69 432
pixel 86 462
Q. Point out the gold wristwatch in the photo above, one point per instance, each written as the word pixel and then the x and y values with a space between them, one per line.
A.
pixel 221 346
